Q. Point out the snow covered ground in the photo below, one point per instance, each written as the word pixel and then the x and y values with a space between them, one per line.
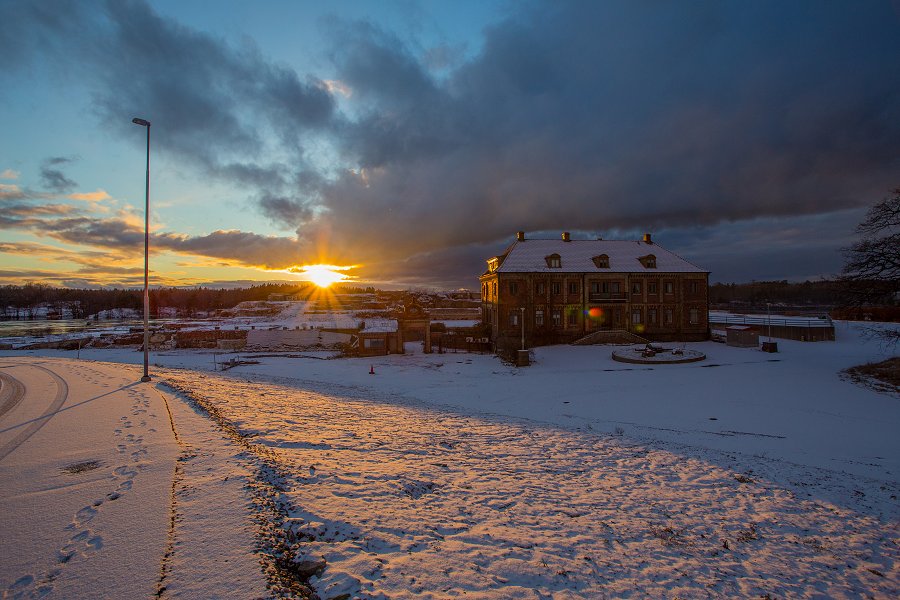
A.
pixel 447 475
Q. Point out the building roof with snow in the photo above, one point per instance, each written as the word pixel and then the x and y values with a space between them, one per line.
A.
pixel 380 326
pixel 588 256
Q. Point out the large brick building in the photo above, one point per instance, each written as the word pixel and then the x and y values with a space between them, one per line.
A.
pixel 565 289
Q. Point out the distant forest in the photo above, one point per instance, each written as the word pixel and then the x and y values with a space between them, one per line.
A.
pixel 18 302
pixel 21 302
pixel 758 293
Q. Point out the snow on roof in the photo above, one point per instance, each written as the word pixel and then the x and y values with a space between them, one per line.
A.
pixel 528 256
pixel 380 326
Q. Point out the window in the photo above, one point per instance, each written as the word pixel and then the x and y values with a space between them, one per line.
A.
pixel 553 261
pixel 670 316
pixel 514 317
pixel 556 288
pixel 557 317
pixel 608 287
pixel 601 262
pixel 573 317
pixel 652 287
pixel 539 288
pixel 484 291
pixel 373 343
pixel 651 316
pixel 636 317
pixel 648 262
pixel 538 317
pixel 694 316
pixel 669 287
pixel 695 287
pixel 494 289
pixel 595 287
pixel 573 287
pixel 513 288
pixel 636 287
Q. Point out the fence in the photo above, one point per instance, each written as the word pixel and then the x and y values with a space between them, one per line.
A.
pixel 798 328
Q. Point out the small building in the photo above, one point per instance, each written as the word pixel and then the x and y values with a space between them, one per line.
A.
pixel 742 336
pixel 559 291
pixel 378 339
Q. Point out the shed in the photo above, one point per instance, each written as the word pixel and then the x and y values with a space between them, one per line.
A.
pixel 742 336
pixel 379 338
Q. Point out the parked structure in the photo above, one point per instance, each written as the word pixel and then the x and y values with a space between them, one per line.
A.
pixel 557 291
pixel 742 336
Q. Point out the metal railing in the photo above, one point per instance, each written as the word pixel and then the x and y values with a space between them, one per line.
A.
pixel 721 319
pixel 606 297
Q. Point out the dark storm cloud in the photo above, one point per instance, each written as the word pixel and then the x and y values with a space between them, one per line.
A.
pixel 591 116
pixel 52 177
pixel 285 213
pixel 608 115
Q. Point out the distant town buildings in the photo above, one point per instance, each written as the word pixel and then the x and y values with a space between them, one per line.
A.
pixel 565 289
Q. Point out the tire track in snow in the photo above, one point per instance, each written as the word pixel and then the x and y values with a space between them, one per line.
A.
pixel 11 393
pixel 61 394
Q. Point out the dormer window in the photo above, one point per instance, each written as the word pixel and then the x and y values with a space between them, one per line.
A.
pixel 648 262
pixel 601 262
pixel 553 261
pixel 493 264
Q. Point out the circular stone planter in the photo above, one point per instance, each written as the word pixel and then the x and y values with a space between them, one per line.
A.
pixel 667 356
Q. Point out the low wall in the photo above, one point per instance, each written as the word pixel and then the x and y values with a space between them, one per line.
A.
pixel 295 338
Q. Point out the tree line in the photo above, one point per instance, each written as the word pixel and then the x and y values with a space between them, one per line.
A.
pixel 34 299
pixel 822 293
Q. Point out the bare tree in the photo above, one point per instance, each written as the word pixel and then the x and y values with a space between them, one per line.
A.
pixel 871 274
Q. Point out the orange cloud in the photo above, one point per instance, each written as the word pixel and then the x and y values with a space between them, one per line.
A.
pixel 9 174
pixel 97 196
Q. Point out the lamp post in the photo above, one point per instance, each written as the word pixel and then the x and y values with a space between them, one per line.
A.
pixel 146 377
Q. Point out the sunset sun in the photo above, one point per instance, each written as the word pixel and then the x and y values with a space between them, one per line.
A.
pixel 323 275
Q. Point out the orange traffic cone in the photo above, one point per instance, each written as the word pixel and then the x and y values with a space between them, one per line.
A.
pixel 371 369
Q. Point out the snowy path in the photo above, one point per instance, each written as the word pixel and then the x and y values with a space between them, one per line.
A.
pixel 405 501
pixel 87 457
pixel 86 471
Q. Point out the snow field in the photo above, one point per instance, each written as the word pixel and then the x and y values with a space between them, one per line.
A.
pixel 456 474
pixel 89 506
pixel 406 501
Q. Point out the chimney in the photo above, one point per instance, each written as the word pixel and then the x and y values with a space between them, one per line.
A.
pixel 565 236
pixel 647 239
pixel 520 236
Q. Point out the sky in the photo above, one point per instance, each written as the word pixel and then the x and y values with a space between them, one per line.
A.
pixel 410 140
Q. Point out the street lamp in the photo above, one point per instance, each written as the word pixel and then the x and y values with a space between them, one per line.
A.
pixel 146 377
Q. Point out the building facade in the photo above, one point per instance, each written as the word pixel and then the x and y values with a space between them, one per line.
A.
pixel 557 291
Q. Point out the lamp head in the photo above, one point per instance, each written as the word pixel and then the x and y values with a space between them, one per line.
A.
pixel 142 122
